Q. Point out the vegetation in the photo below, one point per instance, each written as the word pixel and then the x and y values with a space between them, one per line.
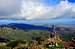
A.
pixel 32 39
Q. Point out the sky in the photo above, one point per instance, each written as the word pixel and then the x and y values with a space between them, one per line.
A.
pixel 37 9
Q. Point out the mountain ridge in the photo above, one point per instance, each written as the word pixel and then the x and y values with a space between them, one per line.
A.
pixel 26 26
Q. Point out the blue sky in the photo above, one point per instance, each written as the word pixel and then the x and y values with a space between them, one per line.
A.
pixel 50 2
pixel 37 9
pixel 72 1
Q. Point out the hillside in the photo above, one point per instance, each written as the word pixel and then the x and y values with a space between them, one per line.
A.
pixel 26 26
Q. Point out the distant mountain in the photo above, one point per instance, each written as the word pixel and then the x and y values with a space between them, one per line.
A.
pixel 26 26
pixel 64 21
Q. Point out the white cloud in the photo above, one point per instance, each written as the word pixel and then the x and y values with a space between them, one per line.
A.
pixel 33 9
pixel 73 7
pixel 9 7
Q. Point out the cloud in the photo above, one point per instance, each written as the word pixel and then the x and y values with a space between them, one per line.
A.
pixel 9 7
pixel 35 9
